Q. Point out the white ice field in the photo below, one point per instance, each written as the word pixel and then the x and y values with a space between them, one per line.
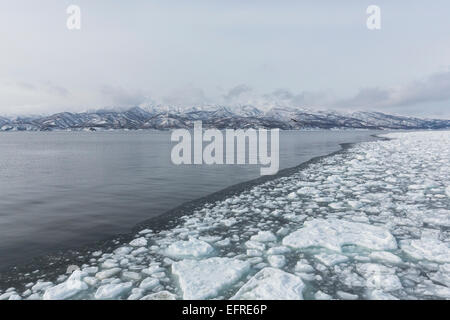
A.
pixel 372 222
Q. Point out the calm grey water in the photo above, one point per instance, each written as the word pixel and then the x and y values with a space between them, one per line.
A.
pixel 61 190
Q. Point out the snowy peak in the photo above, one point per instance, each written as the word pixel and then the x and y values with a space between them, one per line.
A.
pixel 221 117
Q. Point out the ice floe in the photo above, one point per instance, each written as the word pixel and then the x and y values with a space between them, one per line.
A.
pixel 331 259
pixel 271 284
pixel 427 248
pixel 333 234
pixel 371 222
pixel 112 290
pixel 192 248
pixel 206 278
pixel 139 242
pixel 68 288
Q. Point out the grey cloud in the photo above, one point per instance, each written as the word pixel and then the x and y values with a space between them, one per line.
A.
pixel 120 97
pixel 283 94
pixel 302 99
pixel 366 98
pixel 435 88
pixel 57 90
pixel 186 97
pixel 47 87
pixel 236 92
pixel 26 85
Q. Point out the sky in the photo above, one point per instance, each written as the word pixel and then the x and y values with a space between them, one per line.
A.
pixel 314 54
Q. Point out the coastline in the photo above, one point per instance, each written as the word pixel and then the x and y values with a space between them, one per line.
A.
pixel 56 263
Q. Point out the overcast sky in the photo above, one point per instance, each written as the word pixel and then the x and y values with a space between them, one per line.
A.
pixel 187 53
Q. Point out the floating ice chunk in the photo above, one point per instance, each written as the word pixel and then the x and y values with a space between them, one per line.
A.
pixel 254 253
pixel 90 270
pixel 41 286
pixel 278 250
pixel 6 295
pixel 107 273
pixel 91 281
pixel 131 275
pixel 355 204
pixel 283 231
pixel 159 275
pixel 438 218
pixel 307 190
pixel 192 248
pixel 112 290
pixel 110 263
pixel 205 278
pixel 302 266
pixel 136 294
pixel 334 233
pixel 385 256
pixel 34 296
pixel 68 288
pixel 139 251
pixel 346 296
pixel 427 248
pixel 240 210
pixel 319 295
pixel 255 245
pixel 379 277
pixel 260 265
pixel 292 195
pixel 336 205
pixel 255 260
pixel 162 295
pixel 223 243
pixel 430 233
pixel 442 275
pixel 350 279
pixel 152 269
pixel 264 236
pixel 139 242
pixel 324 199
pixel 331 259
pixel 380 295
pixel 229 222
pixel 168 261
pixel 447 191
pixel 96 253
pixel 149 283
pixel 429 288
pixel 271 284
pixel 210 239
pixel 122 250
pixel 276 261
pixel 124 262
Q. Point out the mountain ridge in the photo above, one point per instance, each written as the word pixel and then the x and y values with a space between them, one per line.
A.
pixel 221 117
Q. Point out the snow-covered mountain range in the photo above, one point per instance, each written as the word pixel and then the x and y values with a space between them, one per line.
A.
pixel 163 117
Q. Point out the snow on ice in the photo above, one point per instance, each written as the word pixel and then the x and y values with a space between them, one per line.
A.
pixel 370 222
pixel 192 248
pixel 271 284
pixel 334 234
pixel 204 279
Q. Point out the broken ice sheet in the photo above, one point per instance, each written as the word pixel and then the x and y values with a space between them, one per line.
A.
pixel 366 223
